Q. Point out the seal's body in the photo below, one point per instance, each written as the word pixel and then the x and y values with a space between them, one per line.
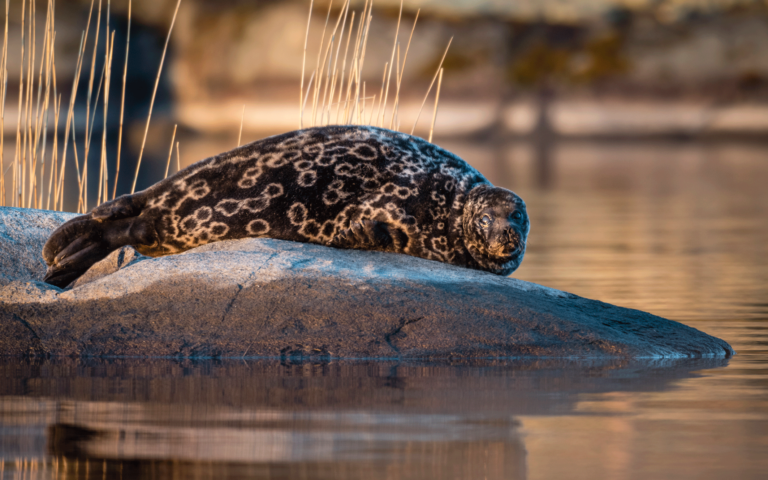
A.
pixel 342 186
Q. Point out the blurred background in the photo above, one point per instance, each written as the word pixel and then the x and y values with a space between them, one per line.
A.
pixel 525 72
pixel 635 131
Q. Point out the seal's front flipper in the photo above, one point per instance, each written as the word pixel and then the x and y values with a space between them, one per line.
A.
pixel 79 243
pixel 368 235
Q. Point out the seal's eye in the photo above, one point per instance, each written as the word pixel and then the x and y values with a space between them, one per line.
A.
pixel 485 221
pixel 517 215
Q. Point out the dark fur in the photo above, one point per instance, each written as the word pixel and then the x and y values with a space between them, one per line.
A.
pixel 341 186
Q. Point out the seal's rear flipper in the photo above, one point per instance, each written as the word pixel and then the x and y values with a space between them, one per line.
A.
pixel 73 248
pixel 79 243
pixel 123 206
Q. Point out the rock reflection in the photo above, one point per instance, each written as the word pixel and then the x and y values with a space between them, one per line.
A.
pixel 266 419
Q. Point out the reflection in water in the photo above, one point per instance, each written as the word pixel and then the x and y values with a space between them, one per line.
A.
pixel 679 230
pixel 265 419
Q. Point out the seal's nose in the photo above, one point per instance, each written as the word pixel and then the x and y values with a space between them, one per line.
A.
pixel 512 237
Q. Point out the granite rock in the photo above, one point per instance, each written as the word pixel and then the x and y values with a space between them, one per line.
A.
pixel 272 298
pixel 23 233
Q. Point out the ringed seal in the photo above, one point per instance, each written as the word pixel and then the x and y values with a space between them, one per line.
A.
pixel 341 186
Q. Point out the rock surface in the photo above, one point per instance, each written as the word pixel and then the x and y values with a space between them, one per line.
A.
pixel 23 233
pixel 266 297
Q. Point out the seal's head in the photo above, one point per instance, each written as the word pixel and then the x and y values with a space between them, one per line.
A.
pixel 495 228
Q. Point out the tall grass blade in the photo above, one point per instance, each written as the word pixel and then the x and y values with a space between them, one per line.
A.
pixel 54 151
pixel 70 111
pixel 178 157
pixel 437 99
pixel 239 135
pixel 104 169
pixel 391 63
pixel 154 92
pixel 303 65
pixel 431 84
pixel 84 184
pixel 344 66
pixel 16 193
pixel 319 81
pixel 122 103
pixel 4 87
pixel 327 117
pixel 400 75
pixel 170 153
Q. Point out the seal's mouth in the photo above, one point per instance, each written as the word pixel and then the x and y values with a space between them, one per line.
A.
pixel 509 249
pixel 508 245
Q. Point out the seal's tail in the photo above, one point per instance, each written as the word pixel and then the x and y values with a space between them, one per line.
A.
pixel 79 243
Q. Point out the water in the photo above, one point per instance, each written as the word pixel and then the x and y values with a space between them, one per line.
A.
pixel 680 230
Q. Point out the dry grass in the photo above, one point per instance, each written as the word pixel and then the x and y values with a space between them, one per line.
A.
pixel 352 106
pixel 36 176
pixel 154 93
pixel 170 152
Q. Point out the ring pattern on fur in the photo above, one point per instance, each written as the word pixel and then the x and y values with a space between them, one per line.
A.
pixel 342 186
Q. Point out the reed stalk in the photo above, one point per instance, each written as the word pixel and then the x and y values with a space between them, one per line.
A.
pixel 59 193
pixel 437 99
pixel 122 103
pixel 353 65
pixel 54 150
pixel 103 195
pixel 89 130
pixel 362 59
pixel 381 94
pixel 439 67
pixel 49 82
pixel 401 69
pixel 84 184
pixel 41 128
pixel 16 192
pixel 27 148
pixel 303 64
pixel 3 91
pixel 77 168
pixel 104 168
pixel 335 64
pixel 38 117
pixel 70 112
pixel 391 63
pixel 370 117
pixel 239 135
pixel 317 66
pixel 178 157
pixel 170 153
pixel 32 161
pixel 344 66
pixel 154 92
pixel 329 55
pixel 309 87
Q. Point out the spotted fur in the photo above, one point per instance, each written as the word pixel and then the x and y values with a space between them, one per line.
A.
pixel 343 186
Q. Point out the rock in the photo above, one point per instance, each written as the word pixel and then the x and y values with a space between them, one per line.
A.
pixel 120 258
pixel 23 233
pixel 272 298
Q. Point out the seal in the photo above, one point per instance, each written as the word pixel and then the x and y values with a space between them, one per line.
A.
pixel 356 187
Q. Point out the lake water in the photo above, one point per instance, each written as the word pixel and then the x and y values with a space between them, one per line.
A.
pixel 678 229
